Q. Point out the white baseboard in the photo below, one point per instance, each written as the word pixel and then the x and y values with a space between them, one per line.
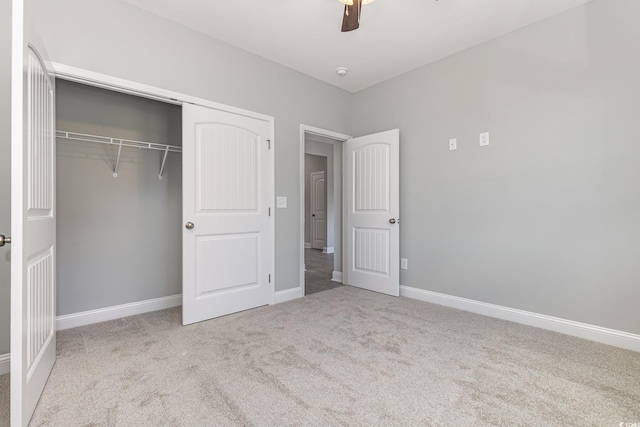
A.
pixel 328 250
pixel 336 276
pixel 5 363
pixel 307 245
pixel 563 326
pixel 116 312
pixel 288 295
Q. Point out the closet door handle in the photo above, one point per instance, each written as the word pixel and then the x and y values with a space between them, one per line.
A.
pixel 4 240
pixel 189 225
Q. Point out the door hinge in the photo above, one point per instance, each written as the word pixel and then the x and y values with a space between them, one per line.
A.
pixel 269 278
pixel 269 143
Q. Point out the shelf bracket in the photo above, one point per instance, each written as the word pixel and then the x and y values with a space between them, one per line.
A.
pixel 115 169
pixel 73 136
pixel 164 159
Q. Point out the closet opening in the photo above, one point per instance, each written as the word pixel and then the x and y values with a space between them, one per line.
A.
pixel 119 199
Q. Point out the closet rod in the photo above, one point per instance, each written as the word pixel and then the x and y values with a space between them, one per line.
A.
pixel 118 141
pixel 121 143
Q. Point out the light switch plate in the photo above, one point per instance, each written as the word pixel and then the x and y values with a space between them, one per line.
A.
pixel 453 144
pixel 484 139
pixel 281 202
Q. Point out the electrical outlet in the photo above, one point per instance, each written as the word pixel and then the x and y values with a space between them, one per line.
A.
pixel 281 202
pixel 453 144
pixel 484 139
pixel 403 263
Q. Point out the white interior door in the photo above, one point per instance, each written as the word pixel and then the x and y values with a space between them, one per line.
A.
pixel 318 211
pixel 373 205
pixel 33 223
pixel 228 240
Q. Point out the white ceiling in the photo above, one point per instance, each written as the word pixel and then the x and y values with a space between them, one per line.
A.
pixel 395 36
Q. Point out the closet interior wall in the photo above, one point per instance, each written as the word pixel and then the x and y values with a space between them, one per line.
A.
pixel 119 238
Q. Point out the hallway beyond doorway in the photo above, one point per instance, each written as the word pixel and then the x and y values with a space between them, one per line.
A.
pixel 318 274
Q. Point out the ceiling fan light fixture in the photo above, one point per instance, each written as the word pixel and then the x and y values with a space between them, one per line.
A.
pixel 351 17
pixel 350 2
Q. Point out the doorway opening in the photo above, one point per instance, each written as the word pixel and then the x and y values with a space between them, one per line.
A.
pixel 321 210
pixel 319 218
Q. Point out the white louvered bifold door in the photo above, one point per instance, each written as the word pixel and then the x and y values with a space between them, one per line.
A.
pixel 373 205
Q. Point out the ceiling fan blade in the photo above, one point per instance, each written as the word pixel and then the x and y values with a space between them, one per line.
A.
pixel 351 17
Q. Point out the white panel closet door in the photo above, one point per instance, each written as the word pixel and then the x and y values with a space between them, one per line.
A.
pixel 373 212
pixel 318 211
pixel 33 225
pixel 228 236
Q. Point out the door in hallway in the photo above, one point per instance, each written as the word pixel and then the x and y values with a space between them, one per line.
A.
pixel 318 211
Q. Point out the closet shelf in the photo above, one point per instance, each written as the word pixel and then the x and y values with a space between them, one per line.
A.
pixel 119 142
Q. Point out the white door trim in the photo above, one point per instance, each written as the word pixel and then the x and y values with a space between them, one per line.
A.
pixel 91 78
pixel 80 75
pixel 339 137
pixel 17 171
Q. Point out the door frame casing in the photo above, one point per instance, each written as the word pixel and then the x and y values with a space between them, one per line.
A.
pixel 104 81
pixel 17 269
pixel 339 138
pixel 91 78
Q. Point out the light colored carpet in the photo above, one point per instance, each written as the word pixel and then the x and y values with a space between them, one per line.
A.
pixel 339 357
pixel 4 400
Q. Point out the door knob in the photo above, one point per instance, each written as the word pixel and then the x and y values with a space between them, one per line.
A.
pixel 189 225
pixel 4 240
pixel 392 221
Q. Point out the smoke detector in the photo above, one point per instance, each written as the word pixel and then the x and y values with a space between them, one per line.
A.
pixel 341 71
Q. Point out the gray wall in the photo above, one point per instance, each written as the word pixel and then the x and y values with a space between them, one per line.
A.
pixel 5 171
pixel 118 238
pixel 545 219
pixel 312 163
pixel 117 39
